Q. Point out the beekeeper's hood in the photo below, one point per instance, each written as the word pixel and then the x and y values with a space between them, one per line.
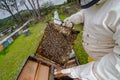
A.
pixel 88 3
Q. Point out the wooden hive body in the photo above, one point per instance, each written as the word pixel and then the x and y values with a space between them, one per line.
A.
pixel 35 69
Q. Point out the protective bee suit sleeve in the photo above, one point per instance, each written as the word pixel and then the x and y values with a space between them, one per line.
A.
pixel 83 72
pixel 101 40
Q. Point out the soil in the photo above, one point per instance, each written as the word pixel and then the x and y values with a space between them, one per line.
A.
pixel 57 43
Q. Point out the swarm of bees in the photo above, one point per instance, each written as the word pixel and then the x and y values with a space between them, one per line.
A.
pixel 57 43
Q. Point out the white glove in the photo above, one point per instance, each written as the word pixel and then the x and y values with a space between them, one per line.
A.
pixel 76 18
pixel 82 72
pixel 68 23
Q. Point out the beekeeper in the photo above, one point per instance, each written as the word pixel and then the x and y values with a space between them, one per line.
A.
pixel 101 39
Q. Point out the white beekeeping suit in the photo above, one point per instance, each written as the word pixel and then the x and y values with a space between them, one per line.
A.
pixel 101 40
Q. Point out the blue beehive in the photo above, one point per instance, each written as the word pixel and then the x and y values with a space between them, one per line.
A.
pixel 5 43
pixel 10 40
pixel 16 34
pixel 27 32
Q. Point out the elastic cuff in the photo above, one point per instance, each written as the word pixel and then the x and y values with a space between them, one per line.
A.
pixel 66 71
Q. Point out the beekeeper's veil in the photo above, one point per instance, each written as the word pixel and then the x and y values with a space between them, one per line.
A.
pixel 87 3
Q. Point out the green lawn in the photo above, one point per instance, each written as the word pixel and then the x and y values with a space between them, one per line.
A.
pixel 79 50
pixel 13 57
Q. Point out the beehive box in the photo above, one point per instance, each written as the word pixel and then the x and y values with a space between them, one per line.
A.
pixel 35 70
pixel 52 53
pixel 40 69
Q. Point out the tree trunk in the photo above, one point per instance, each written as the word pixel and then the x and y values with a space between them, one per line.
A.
pixel 32 8
pixel 78 1
pixel 16 8
pixel 38 15
pixel 13 16
pixel 33 4
pixel 29 10
pixel 38 5
pixel 5 5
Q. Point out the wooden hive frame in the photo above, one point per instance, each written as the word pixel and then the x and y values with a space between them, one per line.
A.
pixel 56 43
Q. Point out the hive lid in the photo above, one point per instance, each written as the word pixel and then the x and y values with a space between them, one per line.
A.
pixel 56 43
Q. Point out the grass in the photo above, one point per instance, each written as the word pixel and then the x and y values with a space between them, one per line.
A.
pixel 79 50
pixel 13 57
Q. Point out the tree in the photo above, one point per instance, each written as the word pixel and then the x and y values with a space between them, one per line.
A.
pixel 77 1
pixel 15 6
pixel 38 5
pixel 6 5
pixel 32 4
pixel 23 2
pixel 35 7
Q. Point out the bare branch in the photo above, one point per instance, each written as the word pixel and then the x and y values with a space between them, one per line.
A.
pixel 7 7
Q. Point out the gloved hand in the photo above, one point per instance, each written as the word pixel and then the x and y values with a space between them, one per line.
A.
pixel 68 23
pixel 74 19
pixel 58 73
pixel 83 72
